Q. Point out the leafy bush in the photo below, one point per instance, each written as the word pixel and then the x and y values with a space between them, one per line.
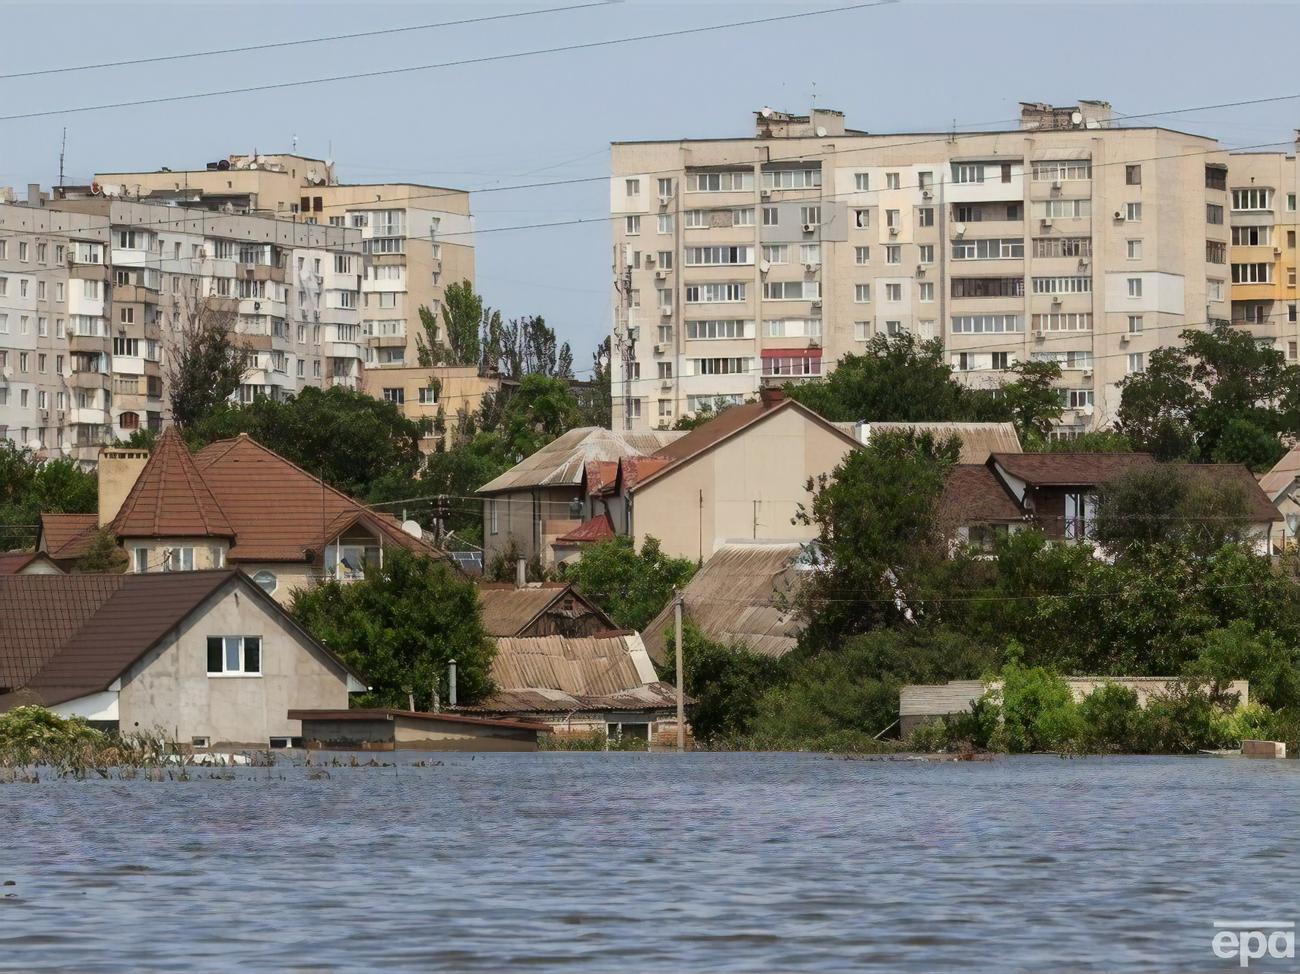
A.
pixel 1188 717
pixel 631 586
pixel 1112 722
pixel 1238 652
pixel 1038 711
pixel 726 683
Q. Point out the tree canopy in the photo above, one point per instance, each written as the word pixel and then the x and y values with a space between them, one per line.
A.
pixel 1221 396
pixel 400 627
pixel 631 586
pixel 30 487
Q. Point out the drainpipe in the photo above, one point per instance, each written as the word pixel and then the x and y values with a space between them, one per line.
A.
pixel 451 683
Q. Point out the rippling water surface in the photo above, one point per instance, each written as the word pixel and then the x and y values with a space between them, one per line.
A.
pixel 627 862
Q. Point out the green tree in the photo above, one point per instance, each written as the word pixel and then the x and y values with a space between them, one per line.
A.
pixel 1032 399
pixel 1092 441
pixel 400 627
pixel 899 379
pixel 458 341
pixel 205 363
pixel 1239 652
pixel 30 487
pixel 104 555
pixel 596 404
pixel 1220 396
pixel 631 586
pixel 541 409
pixel 878 532
pixel 347 438
pixel 1170 504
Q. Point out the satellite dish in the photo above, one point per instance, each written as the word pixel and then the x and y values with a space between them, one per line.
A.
pixel 960 228
pixel 413 529
pixel 821 131
pixel 1076 116
pixel 767 112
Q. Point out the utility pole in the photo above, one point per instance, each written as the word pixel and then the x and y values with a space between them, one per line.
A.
pixel 681 704
pixel 63 148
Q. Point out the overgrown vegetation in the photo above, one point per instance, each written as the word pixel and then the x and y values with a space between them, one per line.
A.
pixel 33 739
pixel 30 487
pixel 631 586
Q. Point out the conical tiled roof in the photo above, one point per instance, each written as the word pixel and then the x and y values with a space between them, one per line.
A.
pixel 170 498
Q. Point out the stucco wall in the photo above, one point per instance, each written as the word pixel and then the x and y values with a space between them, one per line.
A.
pixel 747 488
pixel 170 689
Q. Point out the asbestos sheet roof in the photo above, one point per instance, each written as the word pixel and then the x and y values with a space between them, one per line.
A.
pixel 508 611
pixel 650 696
pixel 1283 475
pixel 561 462
pixel 741 595
pixel 586 666
pixel 978 440
pixel 1069 469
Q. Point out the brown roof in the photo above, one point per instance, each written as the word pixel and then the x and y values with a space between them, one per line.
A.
pixel 66 636
pixel 974 494
pixel 600 528
pixel 585 665
pixel 65 536
pixel 650 696
pixel 1260 508
pixel 727 424
pixel 1068 469
pixel 633 470
pixel 742 595
pixel 278 510
pixel 508 611
pixel 170 498
pixel 599 475
pixel 13 562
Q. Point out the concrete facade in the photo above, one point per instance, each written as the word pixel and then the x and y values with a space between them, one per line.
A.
pixel 774 256
pixel 1263 188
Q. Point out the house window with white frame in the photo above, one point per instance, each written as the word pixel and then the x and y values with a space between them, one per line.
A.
pixel 234 656
pixel 179 560
pixel 632 225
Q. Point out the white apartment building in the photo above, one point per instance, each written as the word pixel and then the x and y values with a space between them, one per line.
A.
pixel 1067 238
pixel 95 293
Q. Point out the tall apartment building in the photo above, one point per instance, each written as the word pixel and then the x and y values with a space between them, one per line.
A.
pixel 1263 218
pixel 417 238
pixel 95 292
pixel 770 257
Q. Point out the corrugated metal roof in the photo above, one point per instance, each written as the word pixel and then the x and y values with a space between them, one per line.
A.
pixel 589 665
pixel 1283 475
pixel 742 595
pixel 562 461
pixel 651 696
pixel 978 440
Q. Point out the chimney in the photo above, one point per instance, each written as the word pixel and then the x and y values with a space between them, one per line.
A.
pixel 770 396
pixel 34 195
pixel 118 470
pixel 521 573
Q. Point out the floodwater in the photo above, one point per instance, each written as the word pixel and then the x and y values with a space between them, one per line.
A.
pixel 653 862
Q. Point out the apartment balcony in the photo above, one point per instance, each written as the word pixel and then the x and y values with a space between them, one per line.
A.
pixel 93 344
pixel 386 341
pixel 260 272
pixel 88 416
pixel 133 294
pixel 89 380
pixel 261 306
pixel 350 350
pixel 88 272
pixel 222 304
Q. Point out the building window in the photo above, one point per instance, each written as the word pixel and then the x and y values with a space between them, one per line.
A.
pixel 428 396
pixel 862 181
pixel 1252 198
pixel 1252 236
pixel 665 223
pixel 1135 324
pixel 634 409
pixel 665 370
pixel 1257 273
pixel 1214 213
pixel 1133 175
pixel 1135 287
pixel 1216 177
pixel 892 180
pixel 633 187
pixel 893 253
pixel 632 225
pixel 140 560
pixel 1216 252
pixel 1134 249
pixel 179 560
pixel 266 581
pixel 396 396
pixel 770 216
pixel 925 253
pixel 861 218
pixel 862 293
pixel 862 255
pixel 234 655
pixel 1133 212
pixel 925 216
pixel 894 292
pixel 217 556
pixel 492 516
pixel 925 291
pixel 810 215
pixel 892 219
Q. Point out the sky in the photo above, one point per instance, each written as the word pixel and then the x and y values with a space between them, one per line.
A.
pixel 910 65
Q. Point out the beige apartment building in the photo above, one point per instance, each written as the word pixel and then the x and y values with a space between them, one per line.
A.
pixel 416 239
pixel 770 257
pixel 96 291
pixel 1263 252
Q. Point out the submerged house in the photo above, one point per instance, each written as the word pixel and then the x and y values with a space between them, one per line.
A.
pixel 205 658
pixel 742 596
pixel 578 685
pixel 236 503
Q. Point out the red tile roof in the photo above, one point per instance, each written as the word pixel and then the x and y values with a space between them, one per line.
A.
pixel 66 536
pixel 12 562
pixel 1068 469
pixel 597 529
pixel 170 498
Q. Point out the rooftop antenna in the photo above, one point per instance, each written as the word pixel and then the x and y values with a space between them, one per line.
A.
pixel 295 145
pixel 63 148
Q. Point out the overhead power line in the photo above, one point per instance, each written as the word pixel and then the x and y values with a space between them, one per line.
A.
pixel 300 42
pixel 462 62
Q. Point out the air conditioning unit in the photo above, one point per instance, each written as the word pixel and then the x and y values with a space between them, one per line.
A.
pixel 817 303
pixel 1124 339
pixel 1119 216
pixel 664 199
pixel 1039 335
pixel 814 343
pixel 315 316
pixel 893 231
pixel 1086 409
pixel 1083 263
pixel 661 275
pixel 666 311
pixel 666 384
pixel 1047 223
pixel 1056 184
pixel 1087 373
pixel 661 349
pixel 920 270
pixel 764 266
pixel 959 229
pixel 926 194
pixel 257 305
pixel 649 259
pixel 811 266
pixel 809 227
pixel 765 194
